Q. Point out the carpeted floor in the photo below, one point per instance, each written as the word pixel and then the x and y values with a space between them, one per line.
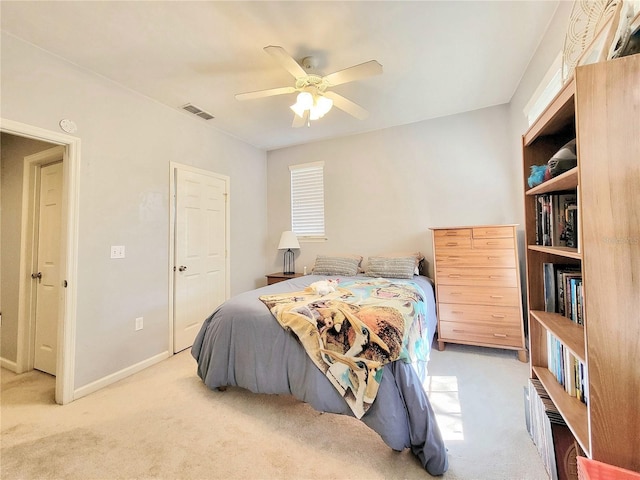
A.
pixel 163 423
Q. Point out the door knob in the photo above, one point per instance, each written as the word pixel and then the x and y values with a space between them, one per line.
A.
pixel 37 275
pixel 182 268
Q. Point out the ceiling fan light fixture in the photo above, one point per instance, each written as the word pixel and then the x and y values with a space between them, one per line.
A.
pixel 305 100
pixel 323 105
pixel 298 110
pixel 311 103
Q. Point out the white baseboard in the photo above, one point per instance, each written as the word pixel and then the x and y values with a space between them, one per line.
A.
pixel 9 365
pixel 114 377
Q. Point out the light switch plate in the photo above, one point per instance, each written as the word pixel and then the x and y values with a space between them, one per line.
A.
pixel 117 251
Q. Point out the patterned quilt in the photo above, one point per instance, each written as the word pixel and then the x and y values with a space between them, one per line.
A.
pixel 352 332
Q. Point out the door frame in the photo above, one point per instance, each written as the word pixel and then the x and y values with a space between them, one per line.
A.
pixel 65 364
pixel 173 166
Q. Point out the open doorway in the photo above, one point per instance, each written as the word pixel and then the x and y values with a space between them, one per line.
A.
pixel 31 158
pixel 42 227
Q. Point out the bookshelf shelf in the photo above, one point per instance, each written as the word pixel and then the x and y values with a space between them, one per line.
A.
pixel 559 251
pixel 573 410
pixel 569 333
pixel 566 181
pixel 603 273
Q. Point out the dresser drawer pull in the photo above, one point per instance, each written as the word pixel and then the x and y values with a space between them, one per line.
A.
pixel 457 330
pixel 496 296
pixel 494 276
pixel 456 293
pixel 493 243
pixel 496 315
pixel 501 335
pixel 493 258
pixel 457 312
pixel 452 244
pixel 451 234
pixel 454 275
pixel 453 256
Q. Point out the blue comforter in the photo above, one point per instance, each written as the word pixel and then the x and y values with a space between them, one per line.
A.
pixel 241 344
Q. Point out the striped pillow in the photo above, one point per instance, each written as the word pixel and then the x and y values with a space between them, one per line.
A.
pixel 329 265
pixel 391 267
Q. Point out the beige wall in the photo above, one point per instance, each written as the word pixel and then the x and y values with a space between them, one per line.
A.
pixel 383 190
pixel 127 144
pixel 13 149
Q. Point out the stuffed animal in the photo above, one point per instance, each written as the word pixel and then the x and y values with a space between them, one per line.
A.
pixel 538 173
pixel 324 287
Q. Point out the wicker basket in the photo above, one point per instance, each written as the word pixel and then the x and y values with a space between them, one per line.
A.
pixel 594 470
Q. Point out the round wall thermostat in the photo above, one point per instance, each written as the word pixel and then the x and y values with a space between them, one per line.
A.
pixel 68 125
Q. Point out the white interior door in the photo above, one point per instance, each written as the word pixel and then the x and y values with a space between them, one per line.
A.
pixel 47 277
pixel 200 274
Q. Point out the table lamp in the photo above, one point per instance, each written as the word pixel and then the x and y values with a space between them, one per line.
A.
pixel 288 240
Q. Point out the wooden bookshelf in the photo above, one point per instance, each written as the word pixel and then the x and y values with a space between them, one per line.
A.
pixel 597 109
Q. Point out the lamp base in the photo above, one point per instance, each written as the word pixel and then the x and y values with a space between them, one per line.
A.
pixel 288 267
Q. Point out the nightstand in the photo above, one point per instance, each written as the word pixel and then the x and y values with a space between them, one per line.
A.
pixel 281 277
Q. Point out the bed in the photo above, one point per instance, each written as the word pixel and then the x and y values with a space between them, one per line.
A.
pixel 242 344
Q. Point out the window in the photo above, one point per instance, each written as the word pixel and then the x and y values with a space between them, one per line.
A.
pixel 307 200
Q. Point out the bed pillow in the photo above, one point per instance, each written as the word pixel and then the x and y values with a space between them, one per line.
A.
pixel 391 267
pixel 419 258
pixel 334 265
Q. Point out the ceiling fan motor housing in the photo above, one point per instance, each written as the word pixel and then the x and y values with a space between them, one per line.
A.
pixel 309 63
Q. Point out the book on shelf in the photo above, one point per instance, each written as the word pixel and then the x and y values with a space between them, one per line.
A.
pixel 556 220
pixel 551 435
pixel 562 285
pixel 566 368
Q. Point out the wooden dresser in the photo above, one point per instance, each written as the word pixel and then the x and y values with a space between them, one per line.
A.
pixel 478 287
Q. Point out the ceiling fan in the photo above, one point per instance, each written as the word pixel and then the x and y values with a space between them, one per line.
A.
pixel 315 98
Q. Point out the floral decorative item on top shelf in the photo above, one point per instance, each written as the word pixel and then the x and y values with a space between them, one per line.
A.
pixel 588 19
pixel 598 49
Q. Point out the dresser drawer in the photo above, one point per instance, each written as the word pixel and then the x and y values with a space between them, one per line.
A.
pixel 506 296
pixel 451 312
pixel 475 258
pixel 492 232
pixel 453 232
pixel 497 277
pixel 444 243
pixel 494 334
pixel 490 243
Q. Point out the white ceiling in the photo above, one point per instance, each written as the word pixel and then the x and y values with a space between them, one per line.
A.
pixel 439 58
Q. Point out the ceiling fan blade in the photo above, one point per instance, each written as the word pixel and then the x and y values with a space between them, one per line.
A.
pixel 265 93
pixel 347 105
pixel 286 60
pixel 356 72
pixel 300 121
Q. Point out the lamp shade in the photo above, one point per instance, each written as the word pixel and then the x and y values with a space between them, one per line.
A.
pixel 288 240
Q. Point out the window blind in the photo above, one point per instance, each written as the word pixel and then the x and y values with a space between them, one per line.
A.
pixel 307 199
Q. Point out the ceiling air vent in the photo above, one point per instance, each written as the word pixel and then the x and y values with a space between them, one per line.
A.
pixel 197 111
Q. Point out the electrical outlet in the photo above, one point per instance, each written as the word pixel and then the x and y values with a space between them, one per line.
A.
pixel 139 323
pixel 117 251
